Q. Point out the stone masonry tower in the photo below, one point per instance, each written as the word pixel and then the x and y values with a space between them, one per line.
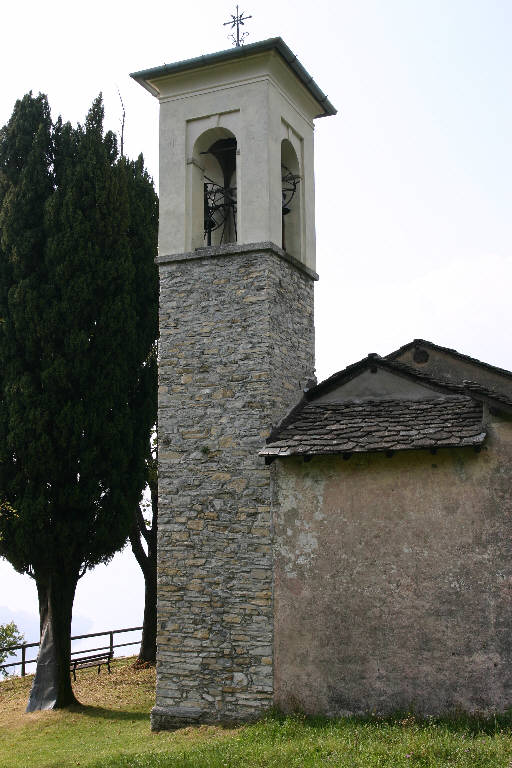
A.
pixel 237 266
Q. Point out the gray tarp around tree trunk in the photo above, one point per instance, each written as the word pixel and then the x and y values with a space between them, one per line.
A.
pixel 43 694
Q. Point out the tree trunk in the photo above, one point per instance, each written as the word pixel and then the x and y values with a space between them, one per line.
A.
pixel 51 688
pixel 148 561
pixel 147 651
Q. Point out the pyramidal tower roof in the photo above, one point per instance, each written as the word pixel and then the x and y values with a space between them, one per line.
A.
pixel 149 78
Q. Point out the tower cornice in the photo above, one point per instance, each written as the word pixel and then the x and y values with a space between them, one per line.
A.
pixel 235 249
pixel 149 78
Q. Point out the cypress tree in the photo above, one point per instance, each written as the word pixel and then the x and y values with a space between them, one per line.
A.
pixel 78 323
pixel 144 218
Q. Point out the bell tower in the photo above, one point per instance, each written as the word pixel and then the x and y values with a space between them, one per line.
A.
pixel 237 267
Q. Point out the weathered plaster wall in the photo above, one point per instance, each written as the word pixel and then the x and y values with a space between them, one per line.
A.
pixel 393 581
pixel 236 349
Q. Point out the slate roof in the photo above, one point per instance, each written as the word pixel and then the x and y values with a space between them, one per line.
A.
pixel 473 388
pixel 325 422
pixel 436 383
pixel 378 425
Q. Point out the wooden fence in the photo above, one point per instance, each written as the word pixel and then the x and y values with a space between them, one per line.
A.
pixel 110 632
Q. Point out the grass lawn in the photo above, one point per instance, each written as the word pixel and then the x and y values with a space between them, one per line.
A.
pixel 111 730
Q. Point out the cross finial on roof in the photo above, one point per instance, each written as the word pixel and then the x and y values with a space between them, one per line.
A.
pixel 237 20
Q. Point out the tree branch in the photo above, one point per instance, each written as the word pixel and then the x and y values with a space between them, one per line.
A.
pixel 137 548
pixel 122 123
pixel 141 523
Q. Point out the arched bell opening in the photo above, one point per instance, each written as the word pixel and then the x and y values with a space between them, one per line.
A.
pixel 291 200
pixel 214 187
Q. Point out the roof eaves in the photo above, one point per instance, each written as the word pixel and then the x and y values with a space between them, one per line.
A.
pixel 282 453
pixel 273 43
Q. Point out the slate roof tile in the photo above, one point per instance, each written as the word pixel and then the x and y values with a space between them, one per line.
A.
pixel 379 425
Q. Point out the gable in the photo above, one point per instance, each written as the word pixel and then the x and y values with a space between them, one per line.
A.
pixel 376 384
pixel 450 365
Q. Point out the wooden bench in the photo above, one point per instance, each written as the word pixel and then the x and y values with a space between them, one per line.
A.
pixel 91 661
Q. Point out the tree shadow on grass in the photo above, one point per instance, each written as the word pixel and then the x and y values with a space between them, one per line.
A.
pixel 103 713
pixel 123 715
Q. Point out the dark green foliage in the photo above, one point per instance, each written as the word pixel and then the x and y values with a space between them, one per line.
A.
pixel 78 323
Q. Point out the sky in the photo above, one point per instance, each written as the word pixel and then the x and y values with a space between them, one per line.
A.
pixel 413 176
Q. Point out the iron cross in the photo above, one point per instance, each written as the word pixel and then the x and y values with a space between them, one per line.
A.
pixel 237 20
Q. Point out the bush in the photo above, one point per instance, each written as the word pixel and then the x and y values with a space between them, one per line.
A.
pixel 10 637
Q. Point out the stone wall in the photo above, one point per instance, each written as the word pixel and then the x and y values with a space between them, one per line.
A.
pixel 236 350
pixel 393 580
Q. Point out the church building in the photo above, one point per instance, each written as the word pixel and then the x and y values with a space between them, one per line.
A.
pixel 335 548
